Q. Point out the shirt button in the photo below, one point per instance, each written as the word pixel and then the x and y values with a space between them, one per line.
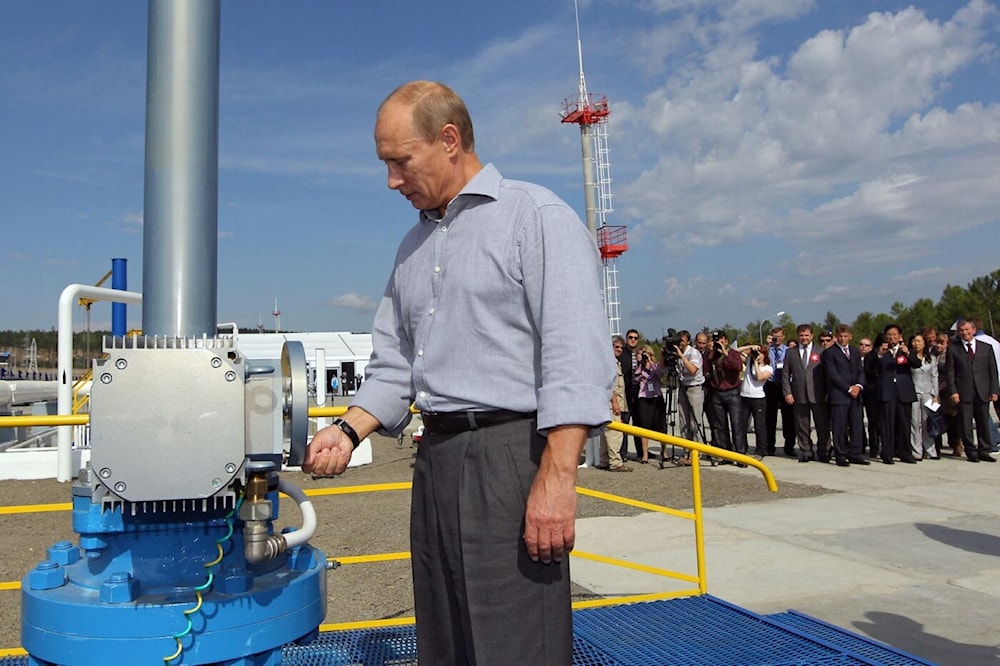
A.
pixel 422 394
pixel 420 352
pixel 437 269
pixel 431 311
pixel 444 229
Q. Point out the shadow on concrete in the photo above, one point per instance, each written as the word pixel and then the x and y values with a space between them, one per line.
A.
pixel 909 636
pixel 972 542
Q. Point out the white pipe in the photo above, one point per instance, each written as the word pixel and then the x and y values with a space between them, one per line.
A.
pixel 322 386
pixel 67 301
pixel 304 533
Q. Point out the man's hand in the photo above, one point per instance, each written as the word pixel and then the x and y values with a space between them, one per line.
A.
pixel 328 452
pixel 955 398
pixel 790 399
pixel 550 517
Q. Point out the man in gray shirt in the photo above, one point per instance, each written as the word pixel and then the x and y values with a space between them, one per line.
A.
pixel 509 269
pixel 691 396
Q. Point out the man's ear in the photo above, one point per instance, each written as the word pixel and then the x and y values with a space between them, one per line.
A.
pixel 451 139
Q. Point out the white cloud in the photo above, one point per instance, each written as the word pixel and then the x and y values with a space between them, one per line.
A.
pixel 354 301
pixel 845 143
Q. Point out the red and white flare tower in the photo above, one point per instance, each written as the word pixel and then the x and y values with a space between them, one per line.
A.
pixel 590 112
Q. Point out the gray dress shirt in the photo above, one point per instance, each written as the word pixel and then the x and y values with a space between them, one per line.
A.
pixel 497 305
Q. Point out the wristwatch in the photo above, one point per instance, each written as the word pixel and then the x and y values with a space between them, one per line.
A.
pixel 348 430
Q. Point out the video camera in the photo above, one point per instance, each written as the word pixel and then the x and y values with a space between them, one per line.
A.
pixel 670 343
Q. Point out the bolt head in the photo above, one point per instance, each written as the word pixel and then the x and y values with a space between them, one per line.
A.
pixel 47 575
pixel 120 588
pixel 64 553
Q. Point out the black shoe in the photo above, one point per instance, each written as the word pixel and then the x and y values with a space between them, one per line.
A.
pixel 789 452
pixel 909 460
pixel 973 459
pixel 824 459
pixel 987 458
pixel 888 461
pixel 739 464
pixel 805 458
pixel 842 462
pixel 859 461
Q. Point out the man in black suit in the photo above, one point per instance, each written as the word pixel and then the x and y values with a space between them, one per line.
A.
pixel 628 359
pixel 890 366
pixel 845 381
pixel 971 372
pixel 803 384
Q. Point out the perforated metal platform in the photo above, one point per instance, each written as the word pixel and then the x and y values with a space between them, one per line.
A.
pixel 697 630
pixel 878 652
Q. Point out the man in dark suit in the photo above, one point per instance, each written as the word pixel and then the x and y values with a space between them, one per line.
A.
pixel 971 372
pixel 628 359
pixel 890 366
pixel 803 384
pixel 845 381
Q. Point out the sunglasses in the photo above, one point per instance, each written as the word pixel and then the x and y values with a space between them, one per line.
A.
pixel 633 337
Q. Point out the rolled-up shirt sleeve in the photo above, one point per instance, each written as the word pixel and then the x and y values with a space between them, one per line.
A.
pixel 560 266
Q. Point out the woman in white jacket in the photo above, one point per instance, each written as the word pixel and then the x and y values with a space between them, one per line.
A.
pixel 925 382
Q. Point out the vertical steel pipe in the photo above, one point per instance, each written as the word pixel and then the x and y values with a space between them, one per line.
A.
pixel 119 311
pixel 180 228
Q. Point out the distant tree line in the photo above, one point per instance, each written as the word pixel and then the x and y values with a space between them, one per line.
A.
pixel 980 299
pixel 86 346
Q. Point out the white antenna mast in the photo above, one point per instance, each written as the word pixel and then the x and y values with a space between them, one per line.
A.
pixel 591 112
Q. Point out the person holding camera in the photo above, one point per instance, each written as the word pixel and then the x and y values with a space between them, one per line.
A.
pixel 891 367
pixel 758 372
pixel 691 394
pixel 651 409
pixel 723 376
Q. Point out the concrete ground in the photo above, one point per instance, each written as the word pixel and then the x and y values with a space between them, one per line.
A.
pixel 908 555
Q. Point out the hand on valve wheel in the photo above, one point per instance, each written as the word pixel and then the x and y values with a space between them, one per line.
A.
pixel 328 452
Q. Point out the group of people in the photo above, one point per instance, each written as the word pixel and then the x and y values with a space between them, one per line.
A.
pixel 917 394
pixel 511 270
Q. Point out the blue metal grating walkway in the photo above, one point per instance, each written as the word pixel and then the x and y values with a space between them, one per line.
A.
pixel 702 631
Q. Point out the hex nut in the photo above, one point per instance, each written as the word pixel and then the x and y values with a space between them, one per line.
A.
pixel 47 575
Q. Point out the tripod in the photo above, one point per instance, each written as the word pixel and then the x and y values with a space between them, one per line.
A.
pixel 695 422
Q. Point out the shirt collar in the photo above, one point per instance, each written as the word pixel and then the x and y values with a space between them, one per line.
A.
pixel 486 183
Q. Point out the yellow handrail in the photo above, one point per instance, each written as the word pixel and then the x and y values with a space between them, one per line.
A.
pixel 696 515
pixel 79 401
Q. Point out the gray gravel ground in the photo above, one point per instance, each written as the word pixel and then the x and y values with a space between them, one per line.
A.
pixel 369 523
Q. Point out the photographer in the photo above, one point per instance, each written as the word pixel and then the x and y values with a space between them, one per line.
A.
pixel 758 372
pixel 691 395
pixel 723 377
pixel 893 382
pixel 652 414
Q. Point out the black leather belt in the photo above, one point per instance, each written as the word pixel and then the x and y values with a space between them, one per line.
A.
pixel 448 423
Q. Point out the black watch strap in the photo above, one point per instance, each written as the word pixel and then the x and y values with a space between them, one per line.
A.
pixel 348 430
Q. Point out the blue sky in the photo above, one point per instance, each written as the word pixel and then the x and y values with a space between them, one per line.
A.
pixel 767 155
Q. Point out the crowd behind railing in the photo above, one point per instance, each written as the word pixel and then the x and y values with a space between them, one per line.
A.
pixel 902 396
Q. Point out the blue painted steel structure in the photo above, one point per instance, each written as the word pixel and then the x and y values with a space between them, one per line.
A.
pixel 119 311
pixel 705 630
pixel 122 596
